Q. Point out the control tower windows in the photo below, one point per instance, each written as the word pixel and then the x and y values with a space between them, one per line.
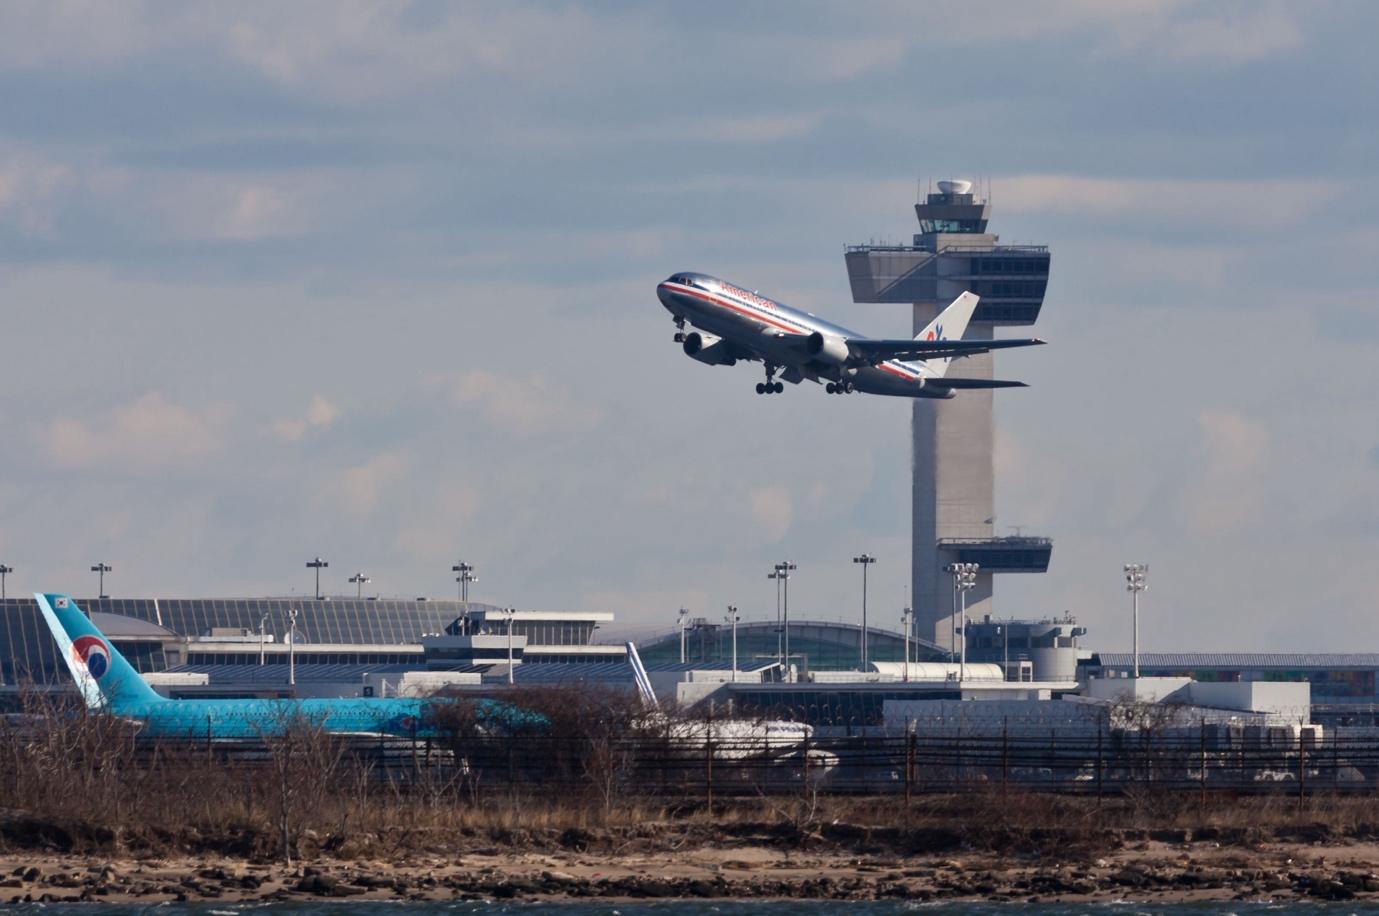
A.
pixel 952 225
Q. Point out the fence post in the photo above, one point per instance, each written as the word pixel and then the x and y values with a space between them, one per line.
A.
pixel 1335 760
pixel 909 766
pixel 708 769
pixel 1098 762
pixel 1005 752
pixel 1302 767
pixel 909 770
pixel 1203 774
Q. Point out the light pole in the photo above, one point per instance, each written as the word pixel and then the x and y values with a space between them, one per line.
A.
pixel 905 617
pixel 732 618
pixel 783 571
pixel 681 620
pixel 951 568
pixel 292 648
pixel 964 579
pixel 466 576
pixel 102 569
pixel 4 571
pixel 1135 575
pixel 358 580
pixel 263 636
pixel 780 647
pixel 866 560
pixel 510 613
pixel 318 564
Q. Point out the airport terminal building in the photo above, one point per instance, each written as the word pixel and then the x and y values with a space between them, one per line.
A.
pixel 158 634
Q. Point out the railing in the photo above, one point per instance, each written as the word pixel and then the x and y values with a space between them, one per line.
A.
pixel 1016 541
pixel 985 249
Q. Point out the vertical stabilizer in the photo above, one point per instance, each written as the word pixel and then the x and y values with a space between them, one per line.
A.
pixel 950 324
pixel 101 673
pixel 643 680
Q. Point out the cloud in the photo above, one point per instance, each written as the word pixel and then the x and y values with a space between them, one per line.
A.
pixel 772 510
pixel 30 189
pixel 148 434
pixel 320 415
pixel 1219 36
pixel 1268 204
pixel 527 407
pixel 358 491
pixel 1229 492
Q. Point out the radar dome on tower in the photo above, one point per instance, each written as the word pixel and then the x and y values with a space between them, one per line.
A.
pixel 955 186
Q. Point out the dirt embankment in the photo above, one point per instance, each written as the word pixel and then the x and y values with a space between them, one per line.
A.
pixel 1333 858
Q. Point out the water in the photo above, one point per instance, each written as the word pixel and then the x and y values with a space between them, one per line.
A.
pixel 691 908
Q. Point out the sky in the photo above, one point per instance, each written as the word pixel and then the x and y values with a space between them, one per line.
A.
pixel 376 282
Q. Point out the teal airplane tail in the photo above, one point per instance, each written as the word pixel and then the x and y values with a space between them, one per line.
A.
pixel 105 679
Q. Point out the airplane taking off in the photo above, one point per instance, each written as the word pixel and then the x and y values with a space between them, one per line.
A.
pixel 109 684
pixel 735 324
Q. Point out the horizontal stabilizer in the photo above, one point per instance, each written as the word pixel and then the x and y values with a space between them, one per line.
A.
pixel 947 382
pixel 875 350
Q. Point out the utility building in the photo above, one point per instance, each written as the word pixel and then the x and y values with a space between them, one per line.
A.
pixel 954 517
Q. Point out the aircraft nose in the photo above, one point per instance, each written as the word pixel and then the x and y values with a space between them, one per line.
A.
pixel 665 294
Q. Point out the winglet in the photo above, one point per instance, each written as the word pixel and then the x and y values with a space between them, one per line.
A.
pixel 101 673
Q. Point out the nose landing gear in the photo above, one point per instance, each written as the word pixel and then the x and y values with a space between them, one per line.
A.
pixel 679 329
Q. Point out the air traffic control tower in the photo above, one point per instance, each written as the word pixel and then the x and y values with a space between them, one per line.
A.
pixel 954 516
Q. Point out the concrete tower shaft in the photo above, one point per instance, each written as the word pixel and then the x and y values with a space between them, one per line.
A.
pixel 953 442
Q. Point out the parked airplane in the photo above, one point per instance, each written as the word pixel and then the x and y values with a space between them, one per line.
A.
pixel 735 324
pixel 108 683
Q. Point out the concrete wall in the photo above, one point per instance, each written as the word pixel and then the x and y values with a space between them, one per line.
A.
pixel 954 486
pixel 1284 700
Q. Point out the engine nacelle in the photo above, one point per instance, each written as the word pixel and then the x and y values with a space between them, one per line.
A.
pixel 827 349
pixel 708 349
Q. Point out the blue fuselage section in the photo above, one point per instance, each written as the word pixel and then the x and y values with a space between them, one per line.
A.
pixel 250 719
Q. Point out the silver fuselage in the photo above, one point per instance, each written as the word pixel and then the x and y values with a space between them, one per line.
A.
pixel 762 327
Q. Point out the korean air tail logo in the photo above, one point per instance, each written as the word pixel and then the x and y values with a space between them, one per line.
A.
pixel 93 653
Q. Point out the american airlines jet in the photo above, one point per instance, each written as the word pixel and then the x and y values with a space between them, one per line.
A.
pixel 735 324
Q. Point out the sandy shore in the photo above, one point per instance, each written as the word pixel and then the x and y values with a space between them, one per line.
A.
pixel 1147 871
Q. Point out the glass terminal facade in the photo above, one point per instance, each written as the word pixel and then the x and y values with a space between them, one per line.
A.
pixel 157 633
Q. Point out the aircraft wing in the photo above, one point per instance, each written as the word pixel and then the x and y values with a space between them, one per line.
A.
pixel 876 351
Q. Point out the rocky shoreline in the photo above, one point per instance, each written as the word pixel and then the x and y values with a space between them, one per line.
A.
pixel 1147 872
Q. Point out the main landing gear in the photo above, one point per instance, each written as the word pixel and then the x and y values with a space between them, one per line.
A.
pixel 770 386
pixel 840 388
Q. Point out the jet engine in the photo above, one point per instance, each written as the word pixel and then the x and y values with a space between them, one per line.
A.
pixel 708 349
pixel 827 349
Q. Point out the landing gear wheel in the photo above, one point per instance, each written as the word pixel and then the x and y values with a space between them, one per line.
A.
pixel 778 388
pixel 831 388
pixel 761 389
pixel 679 336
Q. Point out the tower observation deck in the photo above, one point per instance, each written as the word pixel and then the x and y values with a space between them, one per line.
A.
pixel 953 496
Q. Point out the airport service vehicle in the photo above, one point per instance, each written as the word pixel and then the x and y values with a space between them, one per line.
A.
pixel 108 683
pixel 736 324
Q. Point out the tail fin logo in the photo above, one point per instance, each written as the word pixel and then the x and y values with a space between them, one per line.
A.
pixel 61 603
pixel 93 653
pixel 935 333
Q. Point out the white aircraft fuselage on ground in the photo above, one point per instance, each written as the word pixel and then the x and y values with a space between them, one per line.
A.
pixel 737 324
